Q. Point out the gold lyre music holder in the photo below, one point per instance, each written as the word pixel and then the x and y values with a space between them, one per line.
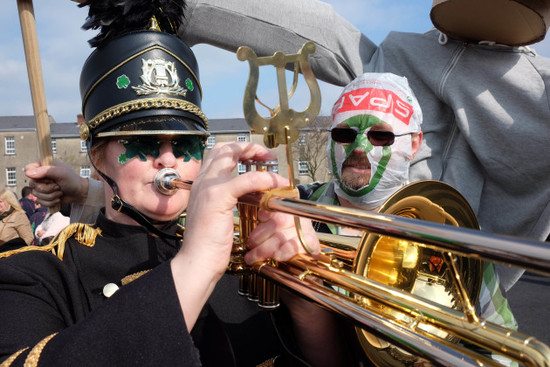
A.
pixel 281 127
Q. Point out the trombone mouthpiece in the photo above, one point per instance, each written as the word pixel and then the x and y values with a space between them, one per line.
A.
pixel 168 181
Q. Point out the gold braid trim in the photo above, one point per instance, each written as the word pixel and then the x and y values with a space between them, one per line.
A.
pixel 130 278
pixel 12 358
pixel 269 363
pixel 84 234
pixel 23 249
pixel 143 104
pixel 34 355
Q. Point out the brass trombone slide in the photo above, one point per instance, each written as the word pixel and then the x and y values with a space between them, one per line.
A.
pixel 507 250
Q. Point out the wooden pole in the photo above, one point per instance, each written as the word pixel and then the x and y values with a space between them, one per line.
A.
pixel 34 69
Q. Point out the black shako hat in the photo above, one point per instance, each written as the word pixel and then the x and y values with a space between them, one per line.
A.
pixel 141 83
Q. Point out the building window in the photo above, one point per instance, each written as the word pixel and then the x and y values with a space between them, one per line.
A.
pixel 210 142
pixel 241 168
pixel 54 146
pixel 10 145
pixel 241 138
pixel 302 139
pixel 83 146
pixel 11 176
pixel 302 168
pixel 85 171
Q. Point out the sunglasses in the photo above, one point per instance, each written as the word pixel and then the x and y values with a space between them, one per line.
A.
pixel 347 135
pixel 186 146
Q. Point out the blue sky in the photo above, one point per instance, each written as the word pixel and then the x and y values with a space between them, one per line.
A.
pixel 64 47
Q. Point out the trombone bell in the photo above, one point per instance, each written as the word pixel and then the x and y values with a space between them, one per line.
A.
pixel 411 267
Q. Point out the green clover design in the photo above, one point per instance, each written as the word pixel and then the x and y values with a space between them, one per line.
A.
pixel 122 159
pixel 122 82
pixel 189 84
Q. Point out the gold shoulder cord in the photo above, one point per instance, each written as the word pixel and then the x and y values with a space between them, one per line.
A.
pixel 34 355
pixel 84 234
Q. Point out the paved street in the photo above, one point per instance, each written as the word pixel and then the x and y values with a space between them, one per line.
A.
pixel 530 302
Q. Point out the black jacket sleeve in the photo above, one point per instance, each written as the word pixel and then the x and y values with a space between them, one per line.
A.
pixel 142 324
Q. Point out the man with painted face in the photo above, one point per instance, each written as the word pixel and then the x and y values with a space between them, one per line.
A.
pixel 375 133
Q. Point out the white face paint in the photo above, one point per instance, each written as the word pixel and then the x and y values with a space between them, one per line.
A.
pixel 370 100
pixel 389 168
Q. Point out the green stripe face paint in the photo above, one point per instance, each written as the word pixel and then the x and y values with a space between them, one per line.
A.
pixel 369 100
pixel 363 123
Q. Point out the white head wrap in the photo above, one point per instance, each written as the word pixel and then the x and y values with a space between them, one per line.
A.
pixel 370 99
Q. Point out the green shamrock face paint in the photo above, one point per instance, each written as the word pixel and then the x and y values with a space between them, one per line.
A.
pixel 186 146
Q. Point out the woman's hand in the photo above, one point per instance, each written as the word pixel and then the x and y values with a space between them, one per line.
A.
pixel 214 195
pixel 57 184
pixel 209 225
pixel 276 237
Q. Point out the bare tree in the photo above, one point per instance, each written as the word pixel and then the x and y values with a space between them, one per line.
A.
pixel 310 149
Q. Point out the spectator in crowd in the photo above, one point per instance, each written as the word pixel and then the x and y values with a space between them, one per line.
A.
pixel 37 218
pixel 28 201
pixel 369 153
pixel 14 223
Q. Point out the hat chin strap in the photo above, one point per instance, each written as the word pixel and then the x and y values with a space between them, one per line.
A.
pixel 118 204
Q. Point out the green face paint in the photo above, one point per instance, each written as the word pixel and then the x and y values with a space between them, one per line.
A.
pixel 186 146
pixel 361 123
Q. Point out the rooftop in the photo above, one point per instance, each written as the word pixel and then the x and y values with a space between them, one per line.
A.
pixel 70 129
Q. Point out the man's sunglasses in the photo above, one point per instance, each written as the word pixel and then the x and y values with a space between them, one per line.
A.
pixel 347 135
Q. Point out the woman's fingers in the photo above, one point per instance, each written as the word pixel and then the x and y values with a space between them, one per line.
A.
pixel 277 238
pixel 214 194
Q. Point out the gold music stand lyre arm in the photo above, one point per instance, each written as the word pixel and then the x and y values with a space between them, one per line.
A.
pixel 283 124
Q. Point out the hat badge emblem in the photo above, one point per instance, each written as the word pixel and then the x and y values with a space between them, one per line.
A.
pixel 159 77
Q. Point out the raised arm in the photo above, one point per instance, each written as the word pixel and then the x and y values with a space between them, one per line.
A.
pixel 282 25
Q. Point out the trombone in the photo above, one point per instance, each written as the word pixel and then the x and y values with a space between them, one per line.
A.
pixel 338 281
pixel 341 279
pixel 362 298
